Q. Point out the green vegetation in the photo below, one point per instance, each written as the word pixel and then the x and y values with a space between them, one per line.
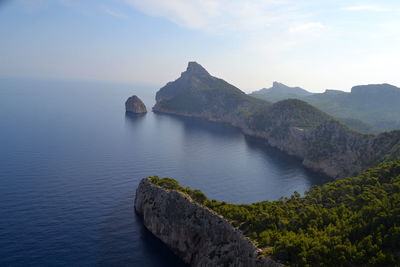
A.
pixel 212 93
pixel 367 108
pixel 172 184
pixel 350 222
pixel 197 91
pixel 282 115
pixel 359 126
pixel 186 102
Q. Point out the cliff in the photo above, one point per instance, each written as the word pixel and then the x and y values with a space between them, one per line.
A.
pixel 196 234
pixel 134 105
pixel 293 126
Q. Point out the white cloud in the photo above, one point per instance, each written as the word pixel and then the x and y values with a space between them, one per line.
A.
pixel 376 8
pixel 114 12
pixel 307 28
pixel 215 15
pixel 192 14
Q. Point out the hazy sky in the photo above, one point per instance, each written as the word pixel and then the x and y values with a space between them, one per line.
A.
pixel 315 44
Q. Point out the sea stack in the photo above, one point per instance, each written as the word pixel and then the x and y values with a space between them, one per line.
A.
pixel 134 105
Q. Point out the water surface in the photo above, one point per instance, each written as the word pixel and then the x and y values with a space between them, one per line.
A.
pixel 71 160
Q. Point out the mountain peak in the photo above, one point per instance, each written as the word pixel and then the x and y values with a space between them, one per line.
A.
pixel 195 68
pixel 278 84
pixel 280 91
pixel 334 92
pixel 282 88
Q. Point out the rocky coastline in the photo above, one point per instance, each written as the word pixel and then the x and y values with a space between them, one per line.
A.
pixel 199 236
pixel 322 143
pixel 298 143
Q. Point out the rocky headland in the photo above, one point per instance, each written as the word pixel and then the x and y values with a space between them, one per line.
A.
pixel 294 126
pixel 349 222
pixel 199 236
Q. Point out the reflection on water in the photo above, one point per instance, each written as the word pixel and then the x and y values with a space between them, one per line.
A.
pixel 196 125
pixel 134 120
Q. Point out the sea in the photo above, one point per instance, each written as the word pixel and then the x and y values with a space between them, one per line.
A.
pixel 71 159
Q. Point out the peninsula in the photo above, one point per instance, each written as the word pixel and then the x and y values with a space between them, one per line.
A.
pixel 349 222
pixel 322 143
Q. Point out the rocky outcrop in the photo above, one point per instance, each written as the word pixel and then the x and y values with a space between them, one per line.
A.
pixel 196 234
pixel 295 127
pixel 134 105
pixel 194 75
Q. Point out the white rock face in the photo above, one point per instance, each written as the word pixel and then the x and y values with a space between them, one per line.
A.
pixel 196 234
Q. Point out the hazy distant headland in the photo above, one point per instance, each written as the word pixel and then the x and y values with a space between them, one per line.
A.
pixel 367 108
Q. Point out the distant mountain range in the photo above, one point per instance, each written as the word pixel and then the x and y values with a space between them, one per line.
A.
pixel 279 92
pixel 294 126
pixel 367 108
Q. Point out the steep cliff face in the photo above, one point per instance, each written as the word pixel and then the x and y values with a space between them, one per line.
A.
pixel 194 233
pixel 328 148
pixel 293 126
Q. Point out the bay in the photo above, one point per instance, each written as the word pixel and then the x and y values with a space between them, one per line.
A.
pixel 71 160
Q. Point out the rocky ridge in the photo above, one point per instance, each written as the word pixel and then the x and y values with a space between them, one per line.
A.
pixel 279 92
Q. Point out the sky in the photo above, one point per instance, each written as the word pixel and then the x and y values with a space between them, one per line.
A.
pixel 314 44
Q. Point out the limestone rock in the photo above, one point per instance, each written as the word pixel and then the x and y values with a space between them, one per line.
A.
pixel 134 105
pixel 196 234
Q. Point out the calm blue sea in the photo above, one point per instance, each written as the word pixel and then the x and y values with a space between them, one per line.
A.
pixel 71 159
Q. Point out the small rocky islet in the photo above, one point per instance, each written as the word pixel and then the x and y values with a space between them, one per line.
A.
pixel 135 105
